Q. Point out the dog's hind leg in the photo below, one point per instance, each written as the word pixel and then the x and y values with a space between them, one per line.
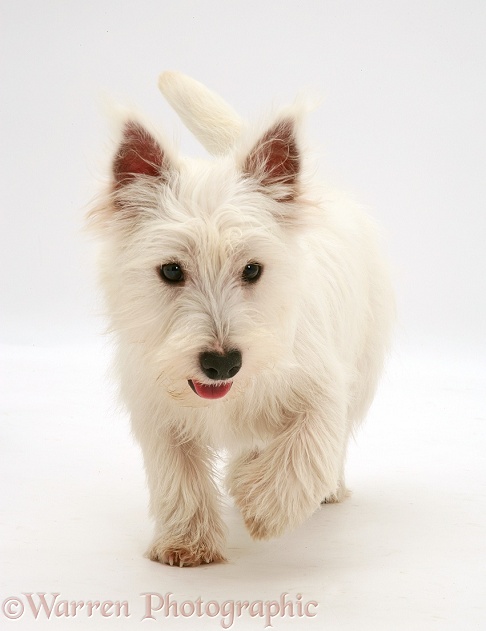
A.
pixel 339 495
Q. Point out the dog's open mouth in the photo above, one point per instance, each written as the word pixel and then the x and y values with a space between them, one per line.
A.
pixel 210 392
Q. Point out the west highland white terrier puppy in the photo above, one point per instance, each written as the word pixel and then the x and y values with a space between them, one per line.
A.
pixel 252 310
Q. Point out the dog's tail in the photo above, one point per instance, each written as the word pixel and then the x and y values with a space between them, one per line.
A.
pixel 214 123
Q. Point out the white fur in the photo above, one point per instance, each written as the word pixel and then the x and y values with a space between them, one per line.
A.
pixel 313 332
pixel 204 113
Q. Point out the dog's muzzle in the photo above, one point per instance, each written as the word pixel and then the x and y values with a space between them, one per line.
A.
pixel 220 367
pixel 217 367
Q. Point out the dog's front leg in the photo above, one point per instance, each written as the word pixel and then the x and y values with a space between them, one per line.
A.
pixel 183 501
pixel 280 486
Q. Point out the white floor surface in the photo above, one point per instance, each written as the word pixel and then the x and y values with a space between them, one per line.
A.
pixel 405 552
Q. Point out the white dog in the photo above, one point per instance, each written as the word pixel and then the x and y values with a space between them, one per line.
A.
pixel 252 311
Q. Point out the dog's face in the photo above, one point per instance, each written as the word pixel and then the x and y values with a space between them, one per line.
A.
pixel 202 269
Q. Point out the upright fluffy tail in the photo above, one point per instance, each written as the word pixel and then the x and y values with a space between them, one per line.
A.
pixel 214 123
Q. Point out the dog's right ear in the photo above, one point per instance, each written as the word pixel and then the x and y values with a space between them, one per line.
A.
pixel 139 155
pixel 140 163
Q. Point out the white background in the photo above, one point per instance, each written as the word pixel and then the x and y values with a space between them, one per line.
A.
pixel 402 126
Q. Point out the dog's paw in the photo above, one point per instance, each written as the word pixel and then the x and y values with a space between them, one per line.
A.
pixel 339 495
pixel 270 504
pixel 259 528
pixel 266 523
pixel 184 554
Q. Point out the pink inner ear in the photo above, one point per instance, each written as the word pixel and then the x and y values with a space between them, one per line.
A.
pixel 275 159
pixel 139 154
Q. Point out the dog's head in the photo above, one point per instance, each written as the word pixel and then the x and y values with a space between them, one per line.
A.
pixel 203 264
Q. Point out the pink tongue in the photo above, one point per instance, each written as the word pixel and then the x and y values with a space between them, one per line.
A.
pixel 211 392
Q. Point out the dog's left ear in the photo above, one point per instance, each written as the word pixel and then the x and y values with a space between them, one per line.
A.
pixel 275 162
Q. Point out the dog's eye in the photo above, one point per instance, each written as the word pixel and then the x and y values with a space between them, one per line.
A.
pixel 252 272
pixel 171 273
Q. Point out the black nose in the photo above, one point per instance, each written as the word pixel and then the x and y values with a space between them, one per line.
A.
pixel 219 367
